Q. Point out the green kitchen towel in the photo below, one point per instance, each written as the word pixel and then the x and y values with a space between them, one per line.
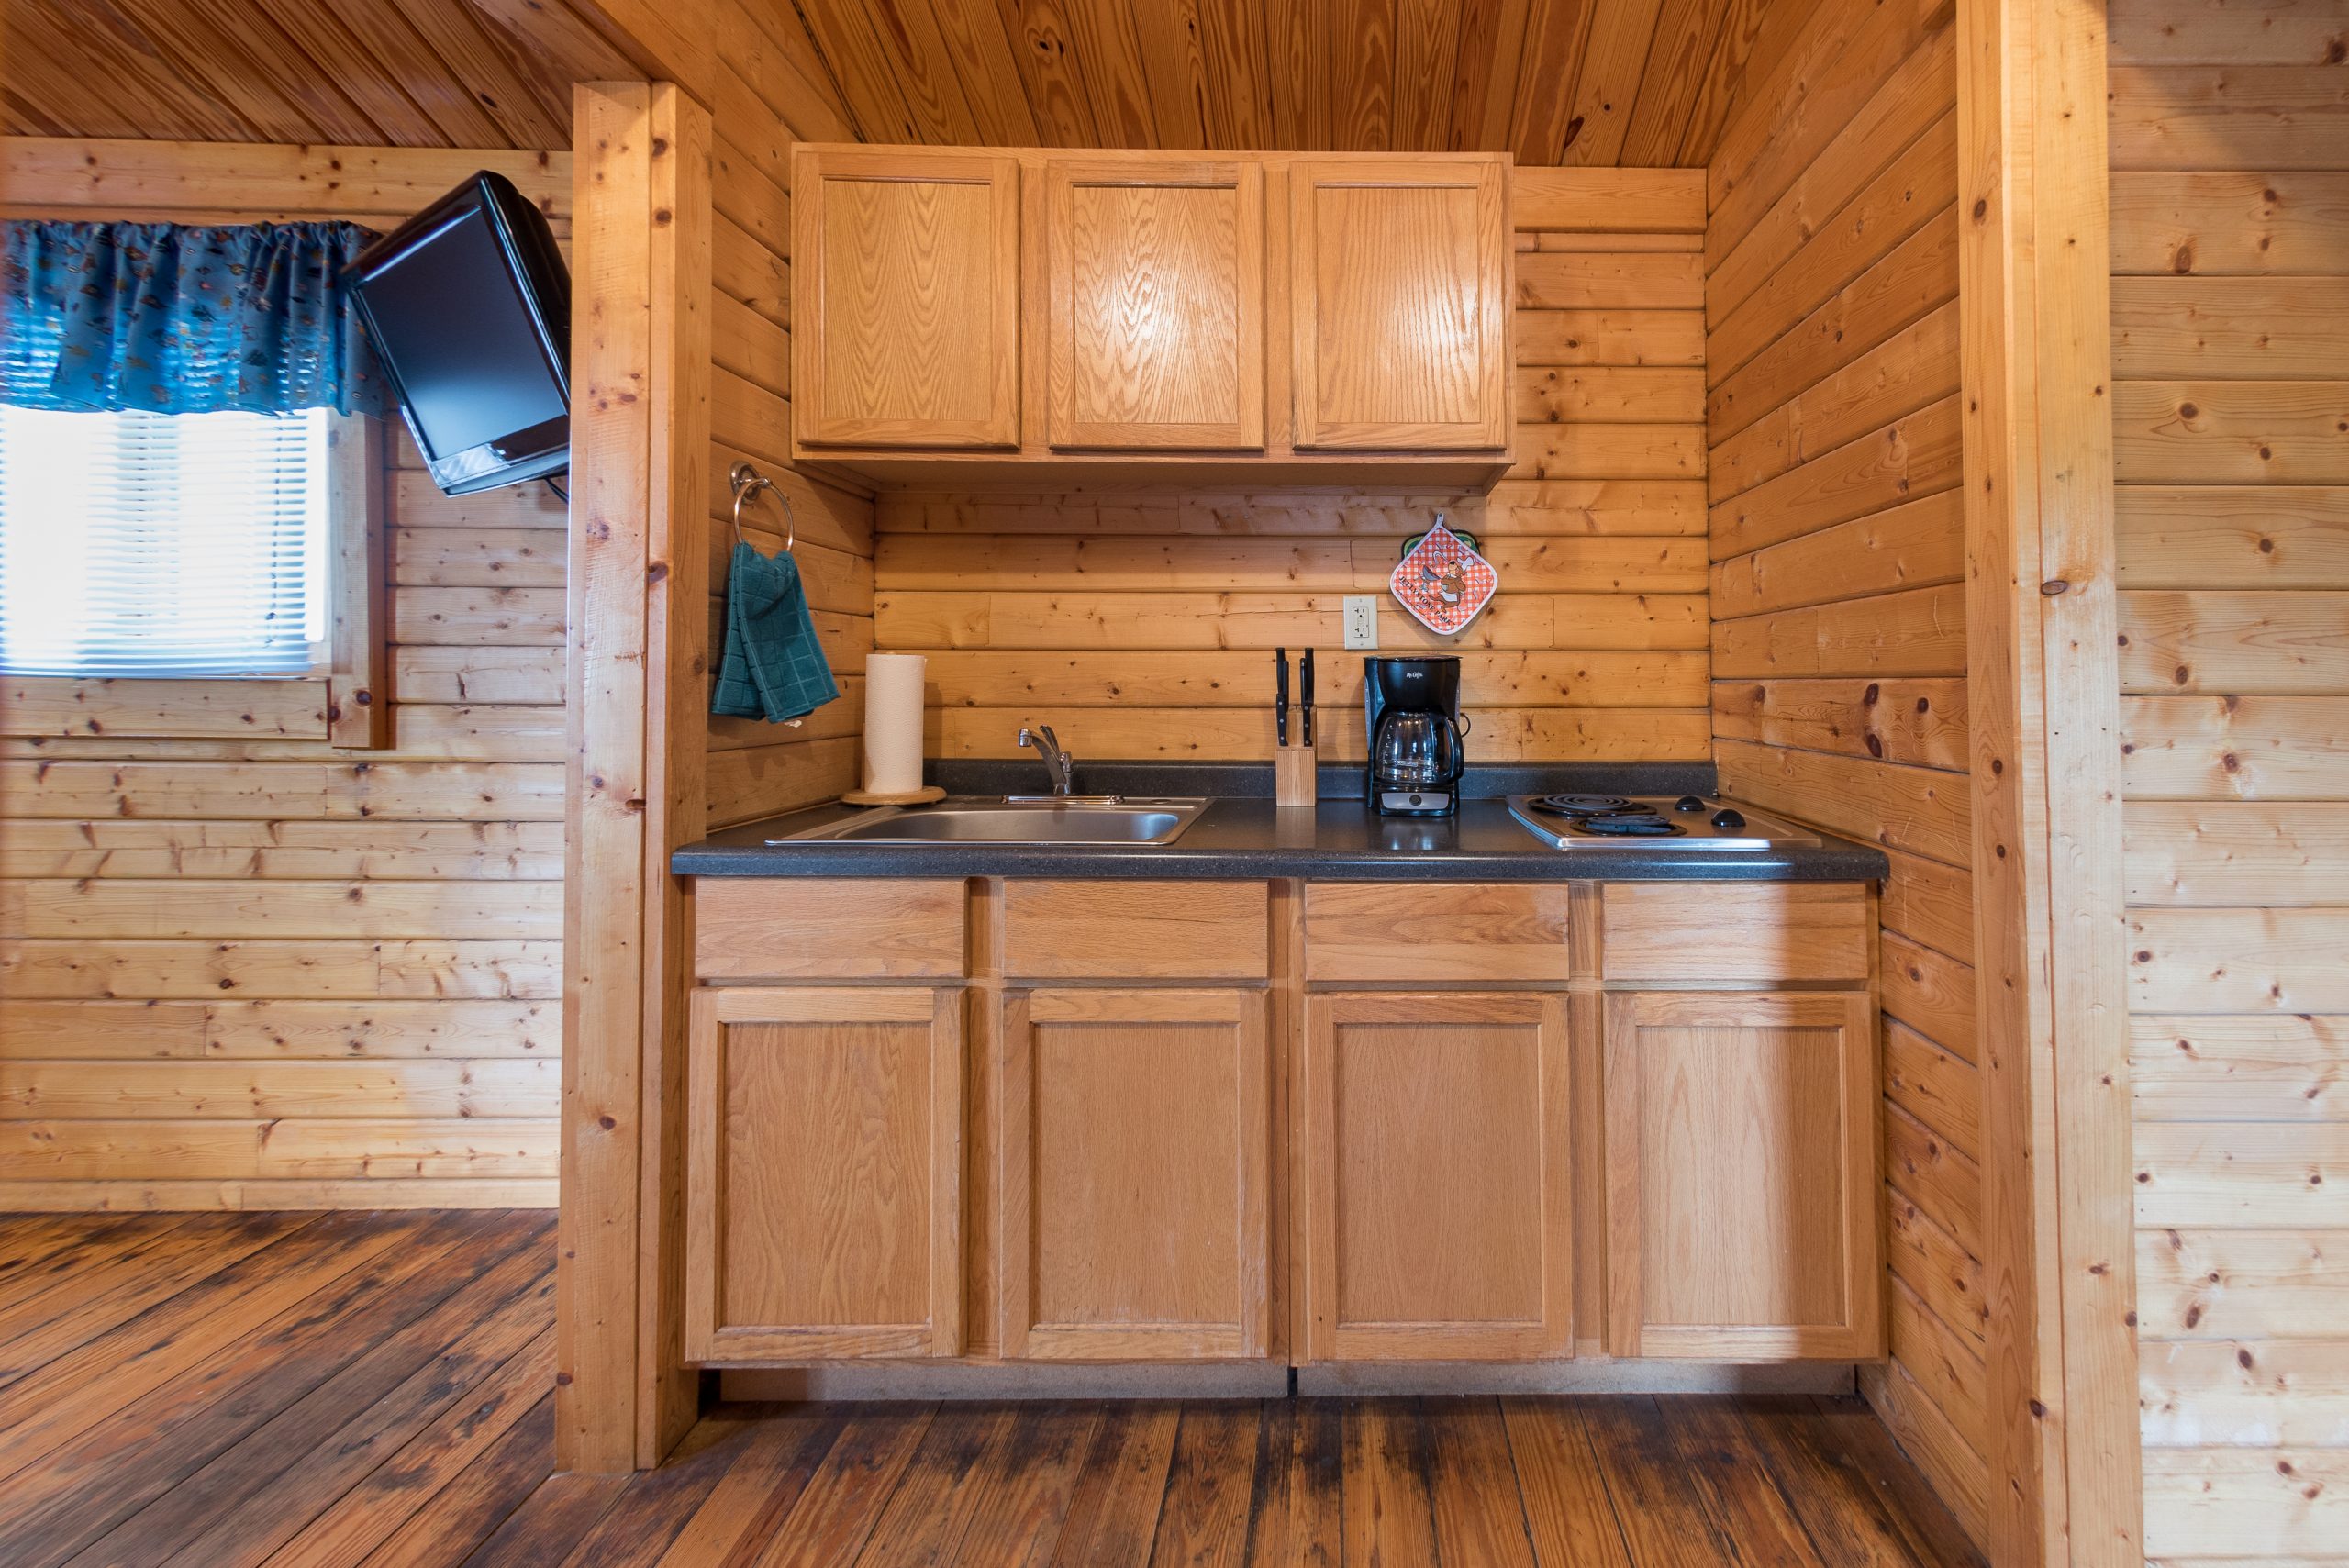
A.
pixel 773 668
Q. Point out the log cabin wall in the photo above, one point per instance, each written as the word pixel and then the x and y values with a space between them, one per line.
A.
pixel 1142 626
pixel 1838 605
pixel 2230 160
pixel 266 973
pixel 771 88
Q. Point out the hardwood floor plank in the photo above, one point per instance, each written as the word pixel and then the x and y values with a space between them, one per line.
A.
pixel 477 1499
pixel 1736 1484
pixel 1567 1510
pixel 839 1506
pixel 1296 1516
pixel 1203 1523
pixel 1657 1502
pixel 364 1518
pixel 1025 1493
pixel 68 1313
pixel 236 1510
pixel 1113 1514
pixel 641 1525
pixel 768 1479
pixel 83 1490
pixel 39 1251
pixel 74 1391
pixel 927 1514
pixel 1479 1510
pixel 1390 1519
pixel 1850 1524
pixel 1854 1436
pixel 551 1522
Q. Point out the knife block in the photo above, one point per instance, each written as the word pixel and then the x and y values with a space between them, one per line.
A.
pixel 1295 777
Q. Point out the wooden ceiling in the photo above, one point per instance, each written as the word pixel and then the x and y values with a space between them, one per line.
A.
pixel 1630 82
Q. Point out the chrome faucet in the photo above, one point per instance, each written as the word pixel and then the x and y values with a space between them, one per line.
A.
pixel 1058 763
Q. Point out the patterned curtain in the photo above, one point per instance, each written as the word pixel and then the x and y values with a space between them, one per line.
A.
pixel 183 319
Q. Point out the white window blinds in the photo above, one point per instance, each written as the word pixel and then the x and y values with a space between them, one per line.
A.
pixel 161 544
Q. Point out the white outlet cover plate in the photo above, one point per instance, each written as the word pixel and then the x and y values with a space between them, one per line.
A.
pixel 1362 620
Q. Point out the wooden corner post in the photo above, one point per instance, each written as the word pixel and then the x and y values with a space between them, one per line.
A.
pixel 637 652
pixel 2043 689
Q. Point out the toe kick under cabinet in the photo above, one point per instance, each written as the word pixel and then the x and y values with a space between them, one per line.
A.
pixel 1034 1122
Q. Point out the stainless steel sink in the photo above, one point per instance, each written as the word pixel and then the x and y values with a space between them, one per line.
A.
pixel 1015 820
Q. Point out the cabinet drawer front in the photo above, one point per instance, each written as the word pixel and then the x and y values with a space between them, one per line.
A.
pixel 790 928
pixel 1661 933
pixel 1443 934
pixel 1135 931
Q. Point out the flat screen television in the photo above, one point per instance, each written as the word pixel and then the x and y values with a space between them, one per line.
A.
pixel 469 307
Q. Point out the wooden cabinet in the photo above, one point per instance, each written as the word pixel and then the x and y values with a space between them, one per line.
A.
pixel 1156 303
pixel 824 1192
pixel 1741 1191
pixel 1437 1198
pixel 905 298
pixel 1134 1146
pixel 1398 304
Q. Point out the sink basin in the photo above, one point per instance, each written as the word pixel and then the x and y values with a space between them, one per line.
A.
pixel 1014 821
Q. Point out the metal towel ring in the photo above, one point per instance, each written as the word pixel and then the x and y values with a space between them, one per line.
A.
pixel 747 482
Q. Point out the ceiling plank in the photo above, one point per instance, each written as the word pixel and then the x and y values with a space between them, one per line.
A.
pixel 1607 86
pixel 909 30
pixel 810 109
pixel 362 73
pixel 1299 88
pixel 183 35
pixel 1427 44
pixel 1175 66
pixel 1231 37
pixel 1724 73
pixel 1109 59
pixel 1555 35
pixel 1492 41
pixel 1358 39
pixel 1040 44
pixel 980 47
pixel 508 85
pixel 404 59
pixel 574 48
pixel 1669 81
pixel 88 68
pixel 862 67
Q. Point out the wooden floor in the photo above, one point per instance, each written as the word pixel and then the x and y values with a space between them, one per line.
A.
pixel 266 1389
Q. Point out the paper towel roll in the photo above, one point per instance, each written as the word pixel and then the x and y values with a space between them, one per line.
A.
pixel 893 722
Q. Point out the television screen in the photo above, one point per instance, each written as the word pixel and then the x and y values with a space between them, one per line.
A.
pixel 469 307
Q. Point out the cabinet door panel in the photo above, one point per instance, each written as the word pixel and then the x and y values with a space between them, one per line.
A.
pixel 1438 1195
pixel 906 314
pixel 1741 1175
pixel 1399 309
pixel 1156 276
pixel 1136 1144
pixel 825 1193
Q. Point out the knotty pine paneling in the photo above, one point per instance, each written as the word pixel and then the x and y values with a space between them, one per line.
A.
pixel 1838 606
pixel 1142 626
pixel 256 972
pixel 2230 322
pixel 771 95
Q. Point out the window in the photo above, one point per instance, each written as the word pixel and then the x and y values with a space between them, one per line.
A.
pixel 164 545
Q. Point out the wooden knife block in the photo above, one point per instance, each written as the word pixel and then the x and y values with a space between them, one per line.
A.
pixel 1294 778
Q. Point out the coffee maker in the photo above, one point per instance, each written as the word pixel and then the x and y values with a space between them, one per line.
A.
pixel 1418 740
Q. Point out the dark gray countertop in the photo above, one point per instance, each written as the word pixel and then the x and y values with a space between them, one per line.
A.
pixel 1245 836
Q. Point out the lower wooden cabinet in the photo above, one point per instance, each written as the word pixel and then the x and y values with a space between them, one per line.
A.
pixel 824 1204
pixel 1135 1149
pixel 1437 1196
pixel 1742 1187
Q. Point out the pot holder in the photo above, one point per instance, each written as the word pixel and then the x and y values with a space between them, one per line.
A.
pixel 1443 582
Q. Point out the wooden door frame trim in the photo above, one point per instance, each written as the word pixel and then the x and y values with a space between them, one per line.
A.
pixel 2043 689
pixel 635 687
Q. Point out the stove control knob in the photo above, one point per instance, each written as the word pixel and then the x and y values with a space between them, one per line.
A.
pixel 1688 803
pixel 1728 818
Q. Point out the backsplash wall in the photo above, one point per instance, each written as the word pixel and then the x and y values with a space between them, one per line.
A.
pixel 1142 626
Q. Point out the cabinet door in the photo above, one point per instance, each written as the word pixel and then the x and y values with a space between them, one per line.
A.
pixel 824 1194
pixel 1399 302
pixel 1741 1175
pixel 1156 304
pixel 1437 1193
pixel 906 299
pixel 1135 1144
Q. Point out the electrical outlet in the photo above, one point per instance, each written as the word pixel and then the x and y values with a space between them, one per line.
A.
pixel 1362 620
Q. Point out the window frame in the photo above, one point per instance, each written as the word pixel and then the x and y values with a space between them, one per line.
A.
pixel 343 701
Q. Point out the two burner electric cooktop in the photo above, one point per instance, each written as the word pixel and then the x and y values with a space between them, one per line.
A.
pixel 1688 822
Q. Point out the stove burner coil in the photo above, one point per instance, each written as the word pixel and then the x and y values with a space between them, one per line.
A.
pixel 1580 806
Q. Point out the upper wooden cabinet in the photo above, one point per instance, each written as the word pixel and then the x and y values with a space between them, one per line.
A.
pixel 1398 301
pixel 1155 319
pixel 1027 319
pixel 905 286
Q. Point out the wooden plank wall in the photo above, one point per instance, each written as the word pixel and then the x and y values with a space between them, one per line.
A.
pixel 1838 605
pixel 267 973
pixel 770 89
pixel 2230 156
pixel 1141 627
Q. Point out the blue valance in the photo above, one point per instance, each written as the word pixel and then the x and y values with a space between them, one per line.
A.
pixel 183 319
